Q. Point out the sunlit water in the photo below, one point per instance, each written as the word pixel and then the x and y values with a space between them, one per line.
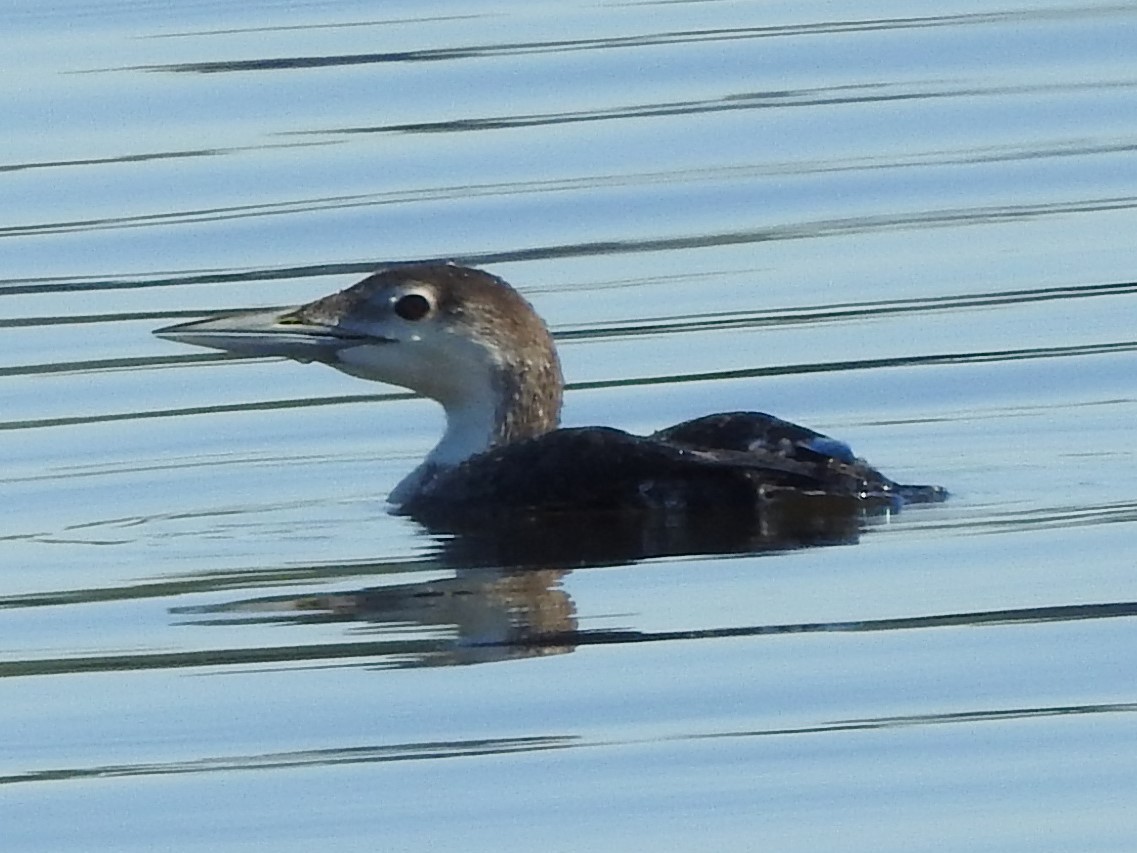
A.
pixel 910 228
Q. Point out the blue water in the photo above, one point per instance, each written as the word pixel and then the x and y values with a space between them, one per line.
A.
pixel 909 228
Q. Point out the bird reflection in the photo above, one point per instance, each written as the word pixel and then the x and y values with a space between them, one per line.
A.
pixel 477 616
pixel 506 599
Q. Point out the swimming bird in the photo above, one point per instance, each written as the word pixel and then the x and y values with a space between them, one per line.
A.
pixel 470 341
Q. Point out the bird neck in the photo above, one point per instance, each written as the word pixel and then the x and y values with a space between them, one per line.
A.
pixel 523 400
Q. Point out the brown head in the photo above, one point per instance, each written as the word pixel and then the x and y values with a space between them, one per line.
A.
pixel 458 335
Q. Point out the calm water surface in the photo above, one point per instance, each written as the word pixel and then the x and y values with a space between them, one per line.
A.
pixel 911 228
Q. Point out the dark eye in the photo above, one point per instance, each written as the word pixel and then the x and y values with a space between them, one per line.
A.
pixel 413 306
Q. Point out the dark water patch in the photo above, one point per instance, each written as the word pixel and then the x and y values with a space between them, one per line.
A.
pixel 378 653
pixel 211 582
pixel 98 365
pixel 122 159
pixel 268 405
pixel 216 214
pixel 95 319
pixel 704 36
pixel 825 96
pixel 1028 615
pixel 838 312
pixel 967 717
pixel 107 161
pixel 85 284
pixel 306 758
pixel 982 154
pixel 135 467
pixel 870 363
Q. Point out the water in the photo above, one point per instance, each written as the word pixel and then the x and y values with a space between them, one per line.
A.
pixel 910 230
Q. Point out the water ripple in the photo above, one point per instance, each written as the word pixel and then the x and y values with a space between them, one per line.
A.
pixel 941 218
pixel 824 96
pixel 400 652
pixel 374 753
pixel 302 758
pixel 704 36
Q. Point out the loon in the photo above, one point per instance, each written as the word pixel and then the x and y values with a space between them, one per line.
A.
pixel 468 340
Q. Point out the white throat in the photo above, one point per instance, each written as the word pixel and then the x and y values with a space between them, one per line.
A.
pixel 471 428
pixel 453 370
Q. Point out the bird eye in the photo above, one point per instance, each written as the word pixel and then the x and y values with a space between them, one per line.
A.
pixel 413 306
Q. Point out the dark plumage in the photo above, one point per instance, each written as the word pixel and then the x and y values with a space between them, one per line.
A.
pixel 470 341
pixel 717 463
